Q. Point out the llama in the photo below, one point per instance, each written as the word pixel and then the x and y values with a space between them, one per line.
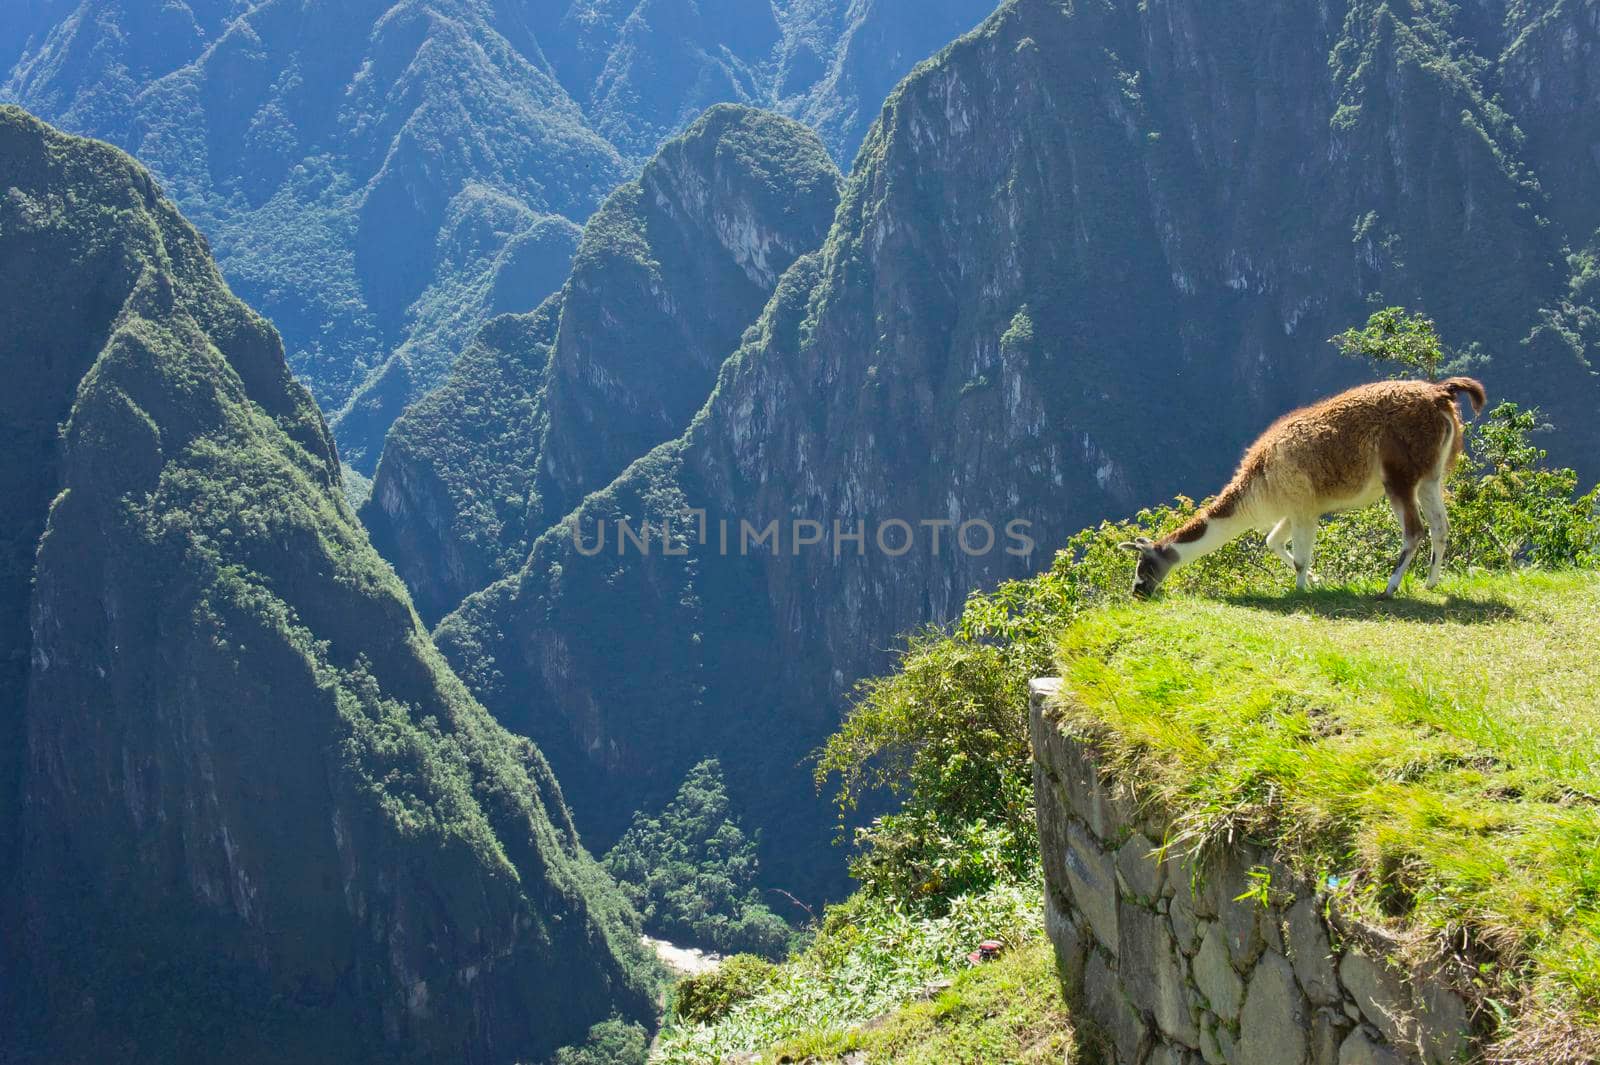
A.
pixel 1394 438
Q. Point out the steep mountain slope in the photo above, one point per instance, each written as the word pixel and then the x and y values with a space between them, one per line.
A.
pixel 1083 258
pixel 874 44
pixel 1548 74
pixel 379 178
pixel 546 407
pixel 250 815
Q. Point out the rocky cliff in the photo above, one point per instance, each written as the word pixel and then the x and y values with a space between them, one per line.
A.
pixel 250 815
pixel 547 407
pixel 367 172
pixel 1084 256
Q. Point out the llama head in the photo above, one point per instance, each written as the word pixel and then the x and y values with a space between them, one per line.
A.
pixel 1155 562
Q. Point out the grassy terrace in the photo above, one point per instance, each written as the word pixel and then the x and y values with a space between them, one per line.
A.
pixel 1437 754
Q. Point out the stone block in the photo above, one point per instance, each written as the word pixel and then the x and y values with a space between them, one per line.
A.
pixel 1273 1024
pixel 1141 874
pixel 1360 1048
pixel 1091 879
pixel 1109 1010
pixel 1215 977
pixel 1222 1043
pixel 1379 993
pixel 1241 923
pixel 1167 1054
pixel 1328 1028
pixel 1152 974
pixel 1067 762
pixel 1446 1028
pixel 1311 953
pixel 1186 927
pixel 1070 941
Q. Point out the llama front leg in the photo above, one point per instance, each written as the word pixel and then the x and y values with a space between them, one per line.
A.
pixel 1304 535
pixel 1431 496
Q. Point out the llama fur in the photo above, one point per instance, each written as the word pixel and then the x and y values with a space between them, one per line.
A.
pixel 1391 438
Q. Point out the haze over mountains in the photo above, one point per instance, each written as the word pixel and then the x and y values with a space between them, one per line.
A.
pixel 378 178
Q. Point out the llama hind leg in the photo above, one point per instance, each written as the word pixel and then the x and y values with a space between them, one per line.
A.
pixel 1304 534
pixel 1431 496
pixel 1405 511
pixel 1277 543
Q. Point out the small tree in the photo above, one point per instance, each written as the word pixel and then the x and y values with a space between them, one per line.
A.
pixel 1407 344
pixel 1509 508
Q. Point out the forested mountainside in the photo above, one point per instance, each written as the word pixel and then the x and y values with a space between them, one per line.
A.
pixel 379 178
pixel 546 407
pixel 1082 259
pixel 249 814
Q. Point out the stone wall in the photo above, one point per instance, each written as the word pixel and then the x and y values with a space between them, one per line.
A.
pixel 1164 967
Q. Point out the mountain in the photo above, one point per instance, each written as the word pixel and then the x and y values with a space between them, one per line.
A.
pixel 249 813
pixel 546 407
pixel 1084 256
pixel 379 178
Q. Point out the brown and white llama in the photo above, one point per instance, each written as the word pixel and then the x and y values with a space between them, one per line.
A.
pixel 1394 438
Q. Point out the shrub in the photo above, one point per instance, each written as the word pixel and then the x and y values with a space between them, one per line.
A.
pixel 708 997
pixel 613 1042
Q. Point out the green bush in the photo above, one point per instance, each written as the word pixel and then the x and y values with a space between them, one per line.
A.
pixel 1509 508
pixel 613 1042
pixel 708 997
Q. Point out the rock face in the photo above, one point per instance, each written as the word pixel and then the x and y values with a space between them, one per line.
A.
pixel 547 407
pixel 1279 1003
pixel 1083 258
pixel 249 814
pixel 373 174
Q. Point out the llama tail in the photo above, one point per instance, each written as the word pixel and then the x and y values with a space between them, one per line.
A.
pixel 1455 386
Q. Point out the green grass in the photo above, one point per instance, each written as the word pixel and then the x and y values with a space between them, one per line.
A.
pixel 1437 754
pixel 1008 1012
pixel 869 959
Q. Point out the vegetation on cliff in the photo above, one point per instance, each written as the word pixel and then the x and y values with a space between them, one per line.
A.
pixel 690 871
pixel 1006 1012
pixel 258 817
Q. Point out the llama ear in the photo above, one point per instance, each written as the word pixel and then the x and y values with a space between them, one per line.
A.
pixel 1144 543
pixel 1133 547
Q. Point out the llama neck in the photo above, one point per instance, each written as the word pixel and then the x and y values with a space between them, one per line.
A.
pixel 1203 534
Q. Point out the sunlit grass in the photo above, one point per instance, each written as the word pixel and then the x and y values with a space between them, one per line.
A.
pixel 870 958
pixel 1438 754
pixel 1008 1012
